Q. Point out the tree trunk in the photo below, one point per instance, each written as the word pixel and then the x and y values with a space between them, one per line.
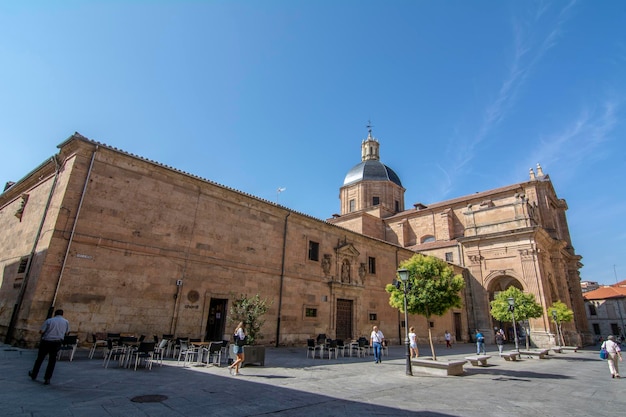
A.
pixel 430 339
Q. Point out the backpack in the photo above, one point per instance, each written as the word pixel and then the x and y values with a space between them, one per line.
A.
pixel 241 342
pixel 238 341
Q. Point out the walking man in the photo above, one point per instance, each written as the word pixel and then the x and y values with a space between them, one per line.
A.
pixel 376 341
pixel 53 332
pixel 480 343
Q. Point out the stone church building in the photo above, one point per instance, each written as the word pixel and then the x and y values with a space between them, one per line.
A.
pixel 125 244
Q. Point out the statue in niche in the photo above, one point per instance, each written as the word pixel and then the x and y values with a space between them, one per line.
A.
pixel 345 271
pixel 362 272
pixel 326 264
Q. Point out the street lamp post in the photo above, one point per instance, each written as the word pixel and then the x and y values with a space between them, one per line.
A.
pixel 511 302
pixel 404 277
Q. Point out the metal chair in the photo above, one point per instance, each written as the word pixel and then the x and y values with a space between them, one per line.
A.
pixel 364 346
pixel 310 347
pixel 115 351
pixel 332 347
pixel 98 340
pixel 186 352
pixel 160 351
pixel 145 351
pixel 214 353
pixel 341 347
pixel 70 343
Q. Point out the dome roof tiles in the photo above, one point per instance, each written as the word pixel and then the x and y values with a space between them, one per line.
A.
pixel 371 170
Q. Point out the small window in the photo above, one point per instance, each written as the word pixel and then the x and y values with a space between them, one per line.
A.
pixel 449 257
pixel 371 262
pixel 373 317
pixel 314 251
pixel 596 329
pixel 431 324
pixel 397 206
pixel 310 312
pixel 22 266
pixel 352 204
pixel 428 238
pixel 376 201
pixel 592 310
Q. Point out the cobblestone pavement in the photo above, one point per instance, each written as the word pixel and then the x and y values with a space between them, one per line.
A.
pixel 290 384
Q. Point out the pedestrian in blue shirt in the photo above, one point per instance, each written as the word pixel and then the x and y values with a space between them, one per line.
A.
pixel 53 332
pixel 480 343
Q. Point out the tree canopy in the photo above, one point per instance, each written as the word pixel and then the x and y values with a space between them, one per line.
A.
pixel 525 305
pixel 249 310
pixel 563 313
pixel 432 288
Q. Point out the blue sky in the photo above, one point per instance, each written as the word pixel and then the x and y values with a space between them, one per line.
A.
pixel 464 96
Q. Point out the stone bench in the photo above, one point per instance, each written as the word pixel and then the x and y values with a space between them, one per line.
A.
pixel 557 349
pixel 441 368
pixel 509 356
pixel 541 353
pixel 572 348
pixel 478 360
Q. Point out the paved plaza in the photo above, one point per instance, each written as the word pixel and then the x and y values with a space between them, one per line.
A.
pixel 290 384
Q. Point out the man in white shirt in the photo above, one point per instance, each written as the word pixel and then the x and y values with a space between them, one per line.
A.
pixel 53 332
pixel 614 351
pixel 376 342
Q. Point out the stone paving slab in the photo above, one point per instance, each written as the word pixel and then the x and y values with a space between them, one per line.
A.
pixel 566 384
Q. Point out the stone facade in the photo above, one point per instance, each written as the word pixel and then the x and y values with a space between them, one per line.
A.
pixel 511 236
pixel 124 244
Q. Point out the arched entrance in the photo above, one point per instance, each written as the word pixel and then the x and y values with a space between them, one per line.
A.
pixel 498 284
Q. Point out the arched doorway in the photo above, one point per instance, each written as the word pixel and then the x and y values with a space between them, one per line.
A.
pixel 498 284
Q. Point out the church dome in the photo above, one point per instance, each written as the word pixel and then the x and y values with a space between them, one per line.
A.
pixel 371 170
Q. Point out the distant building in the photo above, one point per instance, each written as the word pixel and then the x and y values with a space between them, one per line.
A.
pixel 589 286
pixel 606 310
pixel 124 244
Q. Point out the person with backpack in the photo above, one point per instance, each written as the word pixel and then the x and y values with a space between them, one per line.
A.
pixel 500 340
pixel 480 343
pixel 239 337
pixel 614 352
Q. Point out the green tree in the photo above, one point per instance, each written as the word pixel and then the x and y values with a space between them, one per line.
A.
pixel 249 310
pixel 525 307
pixel 433 289
pixel 560 313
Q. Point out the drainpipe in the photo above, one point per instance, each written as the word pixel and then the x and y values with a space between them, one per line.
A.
pixel 69 244
pixel 20 297
pixel 282 279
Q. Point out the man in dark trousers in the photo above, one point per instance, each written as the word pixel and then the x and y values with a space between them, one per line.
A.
pixel 53 332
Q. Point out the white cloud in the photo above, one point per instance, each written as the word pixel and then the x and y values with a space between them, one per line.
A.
pixel 580 141
pixel 527 54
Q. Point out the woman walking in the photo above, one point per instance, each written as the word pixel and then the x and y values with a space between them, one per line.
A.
pixel 239 338
pixel 413 342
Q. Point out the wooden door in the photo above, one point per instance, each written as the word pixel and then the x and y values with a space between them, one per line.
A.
pixel 344 319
